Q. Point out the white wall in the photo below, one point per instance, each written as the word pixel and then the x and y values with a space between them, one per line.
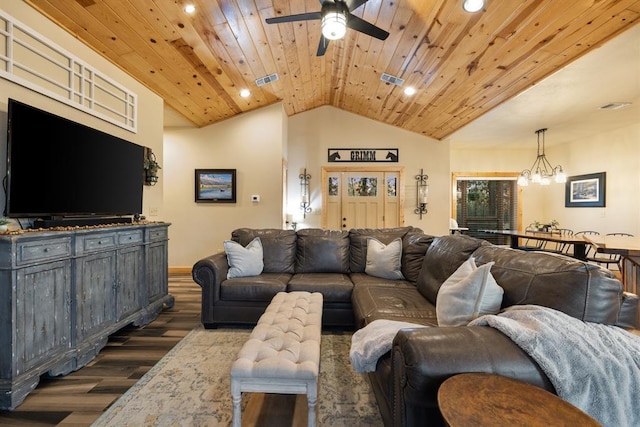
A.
pixel 617 153
pixel 253 144
pixel 312 133
pixel 150 106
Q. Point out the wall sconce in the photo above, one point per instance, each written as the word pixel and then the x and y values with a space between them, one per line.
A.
pixel 422 193
pixel 150 166
pixel 304 193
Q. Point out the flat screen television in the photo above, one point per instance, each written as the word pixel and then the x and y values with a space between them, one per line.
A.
pixel 60 169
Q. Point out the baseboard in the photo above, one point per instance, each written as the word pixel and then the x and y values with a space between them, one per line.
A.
pixel 179 270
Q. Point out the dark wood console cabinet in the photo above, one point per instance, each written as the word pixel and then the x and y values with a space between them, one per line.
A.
pixel 62 293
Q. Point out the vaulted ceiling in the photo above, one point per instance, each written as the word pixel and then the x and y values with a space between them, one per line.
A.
pixel 462 64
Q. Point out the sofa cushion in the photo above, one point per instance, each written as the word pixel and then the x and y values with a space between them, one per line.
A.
pixel 444 256
pixel 334 287
pixel 402 303
pixel 257 288
pixel 279 247
pixel 468 293
pixel 358 243
pixel 363 279
pixel 585 291
pixel 384 260
pixel 243 261
pixel 322 251
pixel 414 246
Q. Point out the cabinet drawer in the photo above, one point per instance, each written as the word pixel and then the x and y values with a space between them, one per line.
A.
pixel 42 250
pixel 158 234
pixel 129 237
pixel 99 242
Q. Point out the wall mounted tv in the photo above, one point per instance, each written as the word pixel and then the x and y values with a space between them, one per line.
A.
pixel 61 170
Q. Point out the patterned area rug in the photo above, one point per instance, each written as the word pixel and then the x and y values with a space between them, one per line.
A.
pixel 190 386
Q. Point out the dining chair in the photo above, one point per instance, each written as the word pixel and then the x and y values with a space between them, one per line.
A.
pixel 558 247
pixel 531 244
pixel 608 259
pixel 590 251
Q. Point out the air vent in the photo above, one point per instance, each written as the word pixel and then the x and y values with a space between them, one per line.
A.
pixel 267 79
pixel 614 105
pixel 392 79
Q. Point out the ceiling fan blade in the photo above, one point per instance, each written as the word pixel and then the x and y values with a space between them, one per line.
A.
pixel 365 27
pixel 322 46
pixel 292 18
pixel 354 4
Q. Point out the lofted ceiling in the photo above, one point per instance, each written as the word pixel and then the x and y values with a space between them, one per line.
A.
pixel 463 65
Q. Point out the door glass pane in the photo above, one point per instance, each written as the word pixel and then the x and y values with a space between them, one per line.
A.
pixel 392 190
pixel 334 182
pixel 362 187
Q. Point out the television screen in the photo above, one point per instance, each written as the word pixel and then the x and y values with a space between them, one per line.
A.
pixel 59 168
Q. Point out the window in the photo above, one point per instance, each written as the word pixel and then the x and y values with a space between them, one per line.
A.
pixel 486 203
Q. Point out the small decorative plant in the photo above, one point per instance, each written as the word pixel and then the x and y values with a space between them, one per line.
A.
pixel 4 220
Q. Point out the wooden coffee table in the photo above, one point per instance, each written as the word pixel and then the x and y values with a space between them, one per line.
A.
pixel 478 399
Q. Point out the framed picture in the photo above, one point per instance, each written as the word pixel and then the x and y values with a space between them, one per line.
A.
pixel 586 191
pixel 215 185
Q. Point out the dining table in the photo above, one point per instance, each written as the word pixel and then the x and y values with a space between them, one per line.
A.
pixel 628 247
pixel 578 242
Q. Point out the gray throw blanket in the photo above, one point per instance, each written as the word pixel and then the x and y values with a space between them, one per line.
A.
pixel 592 366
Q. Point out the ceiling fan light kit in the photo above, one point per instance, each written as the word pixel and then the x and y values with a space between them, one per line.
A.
pixel 336 17
pixel 334 25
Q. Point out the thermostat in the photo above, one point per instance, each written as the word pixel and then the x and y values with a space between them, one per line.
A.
pixel 255 198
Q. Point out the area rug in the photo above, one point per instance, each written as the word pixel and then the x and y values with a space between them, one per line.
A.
pixel 190 386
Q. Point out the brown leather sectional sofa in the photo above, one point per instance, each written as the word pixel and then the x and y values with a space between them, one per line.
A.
pixel 407 378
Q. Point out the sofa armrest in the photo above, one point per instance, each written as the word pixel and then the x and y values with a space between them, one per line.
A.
pixel 423 358
pixel 209 273
pixel 629 314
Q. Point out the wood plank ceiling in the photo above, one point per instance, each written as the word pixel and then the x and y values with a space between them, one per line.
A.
pixel 461 64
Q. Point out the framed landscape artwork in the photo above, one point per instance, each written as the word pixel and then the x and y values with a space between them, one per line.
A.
pixel 586 191
pixel 215 185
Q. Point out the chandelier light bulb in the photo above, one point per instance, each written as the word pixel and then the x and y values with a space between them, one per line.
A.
pixel 334 25
pixel 561 177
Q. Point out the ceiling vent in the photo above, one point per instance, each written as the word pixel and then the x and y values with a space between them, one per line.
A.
pixel 392 79
pixel 614 105
pixel 267 79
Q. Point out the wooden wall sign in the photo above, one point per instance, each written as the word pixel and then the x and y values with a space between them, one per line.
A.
pixel 363 155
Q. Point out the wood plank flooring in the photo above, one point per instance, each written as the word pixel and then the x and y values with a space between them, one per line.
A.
pixel 79 398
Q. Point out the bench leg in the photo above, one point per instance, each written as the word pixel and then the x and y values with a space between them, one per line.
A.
pixel 236 396
pixel 312 399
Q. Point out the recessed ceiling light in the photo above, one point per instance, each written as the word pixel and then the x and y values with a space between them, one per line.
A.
pixel 189 8
pixel 409 90
pixel 472 5
pixel 245 93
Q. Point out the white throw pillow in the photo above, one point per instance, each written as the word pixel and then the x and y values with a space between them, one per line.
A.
pixel 470 292
pixel 244 261
pixel 384 261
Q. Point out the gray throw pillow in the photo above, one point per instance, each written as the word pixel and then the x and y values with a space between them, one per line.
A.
pixel 244 261
pixel 384 261
pixel 470 292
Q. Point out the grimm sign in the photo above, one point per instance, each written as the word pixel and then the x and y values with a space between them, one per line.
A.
pixel 363 155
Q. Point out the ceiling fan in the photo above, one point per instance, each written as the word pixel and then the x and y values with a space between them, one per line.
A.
pixel 336 16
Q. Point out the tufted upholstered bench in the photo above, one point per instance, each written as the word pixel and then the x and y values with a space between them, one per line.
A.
pixel 282 354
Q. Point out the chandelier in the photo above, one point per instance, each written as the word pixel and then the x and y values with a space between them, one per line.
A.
pixel 541 171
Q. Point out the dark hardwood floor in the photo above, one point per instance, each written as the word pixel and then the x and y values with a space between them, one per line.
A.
pixel 79 398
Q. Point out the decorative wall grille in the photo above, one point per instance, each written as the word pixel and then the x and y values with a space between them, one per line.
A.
pixel 31 60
